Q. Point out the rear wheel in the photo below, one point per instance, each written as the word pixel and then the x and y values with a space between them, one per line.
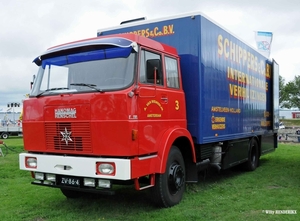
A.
pixel 71 193
pixel 253 158
pixel 169 187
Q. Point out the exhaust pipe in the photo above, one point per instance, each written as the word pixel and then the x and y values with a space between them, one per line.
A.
pixel 217 166
pixel 203 165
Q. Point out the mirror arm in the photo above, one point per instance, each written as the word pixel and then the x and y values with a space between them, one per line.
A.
pixel 155 75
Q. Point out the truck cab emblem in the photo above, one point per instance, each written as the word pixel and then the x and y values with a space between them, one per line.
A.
pixel 66 136
pixel 65 113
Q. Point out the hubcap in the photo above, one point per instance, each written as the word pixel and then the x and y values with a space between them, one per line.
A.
pixel 176 178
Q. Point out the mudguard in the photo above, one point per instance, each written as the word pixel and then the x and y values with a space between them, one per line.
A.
pixel 166 142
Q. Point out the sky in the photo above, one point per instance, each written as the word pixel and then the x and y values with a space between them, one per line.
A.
pixel 28 28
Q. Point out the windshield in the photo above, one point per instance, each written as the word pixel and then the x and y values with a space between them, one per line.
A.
pixel 99 70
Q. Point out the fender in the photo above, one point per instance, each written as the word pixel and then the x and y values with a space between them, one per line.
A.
pixel 165 145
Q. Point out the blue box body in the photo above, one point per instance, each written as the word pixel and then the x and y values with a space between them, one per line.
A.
pixel 228 84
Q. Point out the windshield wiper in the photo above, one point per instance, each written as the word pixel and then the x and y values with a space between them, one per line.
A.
pixel 52 89
pixel 93 86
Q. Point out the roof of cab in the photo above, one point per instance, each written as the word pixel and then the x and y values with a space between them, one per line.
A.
pixel 120 40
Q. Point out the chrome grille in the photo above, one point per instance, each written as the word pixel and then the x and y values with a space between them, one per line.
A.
pixel 78 137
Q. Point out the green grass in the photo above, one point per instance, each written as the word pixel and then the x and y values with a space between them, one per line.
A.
pixel 291 122
pixel 231 195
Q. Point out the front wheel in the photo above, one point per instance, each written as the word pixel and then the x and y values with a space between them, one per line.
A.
pixel 169 186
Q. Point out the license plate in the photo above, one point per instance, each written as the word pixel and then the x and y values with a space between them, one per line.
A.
pixel 68 181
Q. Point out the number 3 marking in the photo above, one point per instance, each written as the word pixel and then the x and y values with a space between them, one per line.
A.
pixel 176 105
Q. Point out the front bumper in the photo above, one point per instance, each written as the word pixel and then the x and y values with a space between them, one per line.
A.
pixel 76 166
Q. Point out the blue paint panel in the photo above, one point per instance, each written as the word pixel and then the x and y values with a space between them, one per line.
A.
pixel 228 93
pixel 106 53
pixel 112 42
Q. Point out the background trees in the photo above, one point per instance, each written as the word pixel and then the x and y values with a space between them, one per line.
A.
pixel 289 94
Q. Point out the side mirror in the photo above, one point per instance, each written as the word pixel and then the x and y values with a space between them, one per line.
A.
pixel 154 71
pixel 31 83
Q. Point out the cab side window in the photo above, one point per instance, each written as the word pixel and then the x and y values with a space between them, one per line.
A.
pixel 149 62
pixel 172 72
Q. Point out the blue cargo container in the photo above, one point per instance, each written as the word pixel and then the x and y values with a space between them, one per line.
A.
pixel 231 89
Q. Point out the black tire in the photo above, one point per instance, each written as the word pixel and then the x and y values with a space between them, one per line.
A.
pixel 253 159
pixel 169 187
pixel 72 194
pixel 4 135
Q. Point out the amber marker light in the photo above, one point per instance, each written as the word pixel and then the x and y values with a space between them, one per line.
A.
pixel 134 134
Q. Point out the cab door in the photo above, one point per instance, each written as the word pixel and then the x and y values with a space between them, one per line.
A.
pixel 152 101
pixel 160 99
pixel 176 98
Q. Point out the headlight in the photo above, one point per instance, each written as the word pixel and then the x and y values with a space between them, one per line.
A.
pixel 105 168
pixel 89 182
pixel 39 176
pixel 104 183
pixel 50 177
pixel 31 162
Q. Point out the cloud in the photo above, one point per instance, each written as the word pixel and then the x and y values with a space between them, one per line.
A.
pixel 29 27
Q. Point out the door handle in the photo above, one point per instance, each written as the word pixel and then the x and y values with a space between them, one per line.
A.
pixel 164 99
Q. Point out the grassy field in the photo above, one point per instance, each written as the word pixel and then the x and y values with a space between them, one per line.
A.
pixel 291 122
pixel 231 195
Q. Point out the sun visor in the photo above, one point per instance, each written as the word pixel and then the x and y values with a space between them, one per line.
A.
pixel 95 49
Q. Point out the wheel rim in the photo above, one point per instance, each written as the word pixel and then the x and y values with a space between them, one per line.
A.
pixel 176 178
pixel 253 156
